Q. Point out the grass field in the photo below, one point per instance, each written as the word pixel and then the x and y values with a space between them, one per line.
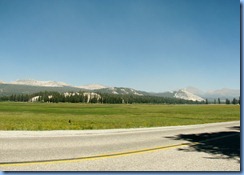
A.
pixel 44 116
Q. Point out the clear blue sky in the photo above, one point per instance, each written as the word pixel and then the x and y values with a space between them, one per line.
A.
pixel 152 45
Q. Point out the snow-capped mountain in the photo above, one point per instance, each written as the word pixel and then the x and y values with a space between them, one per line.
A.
pixel 40 83
pixel 189 93
pixel 93 86
pixel 184 94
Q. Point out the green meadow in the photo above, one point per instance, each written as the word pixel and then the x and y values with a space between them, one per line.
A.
pixel 77 116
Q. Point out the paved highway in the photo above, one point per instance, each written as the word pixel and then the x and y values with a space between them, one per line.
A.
pixel 207 147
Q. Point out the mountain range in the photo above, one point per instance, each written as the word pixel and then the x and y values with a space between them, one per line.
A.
pixel 188 93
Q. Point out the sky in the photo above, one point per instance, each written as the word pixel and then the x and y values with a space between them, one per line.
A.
pixel 150 45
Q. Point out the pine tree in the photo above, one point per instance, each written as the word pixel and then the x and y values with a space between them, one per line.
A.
pixel 219 100
pixel 206 102
pixel 227 101
pixel 234 101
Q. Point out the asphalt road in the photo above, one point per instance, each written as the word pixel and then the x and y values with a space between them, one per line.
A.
pixel 207 147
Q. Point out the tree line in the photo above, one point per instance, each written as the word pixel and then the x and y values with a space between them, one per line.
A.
pixel 227 101
pixel 234 101
pixel 91 97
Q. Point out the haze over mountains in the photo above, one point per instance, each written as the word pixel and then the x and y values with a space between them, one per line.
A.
pixel 189 93
pixel 219 93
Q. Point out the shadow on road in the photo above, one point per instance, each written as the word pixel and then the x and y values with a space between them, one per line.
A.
pixel 220 144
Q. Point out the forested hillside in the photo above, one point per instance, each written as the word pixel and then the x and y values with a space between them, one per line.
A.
pixel 92 97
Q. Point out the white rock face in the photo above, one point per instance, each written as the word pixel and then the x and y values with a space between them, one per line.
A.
pixel 136 93
pixel 125 92
pixel 183 94
pixel 40 83
pixel 114 92
pixel 91 95
pixel 34 99
pixel 68 94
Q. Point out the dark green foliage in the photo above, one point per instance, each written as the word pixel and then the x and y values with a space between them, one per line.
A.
pixel 227 101
pixel 219 100
pixel 234 101
pixel 206 102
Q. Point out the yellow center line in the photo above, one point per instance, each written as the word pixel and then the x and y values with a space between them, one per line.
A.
pixel 117 154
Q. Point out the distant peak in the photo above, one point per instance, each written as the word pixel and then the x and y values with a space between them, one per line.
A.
pixel 194 90
pixel 184 94
pixel 40 83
